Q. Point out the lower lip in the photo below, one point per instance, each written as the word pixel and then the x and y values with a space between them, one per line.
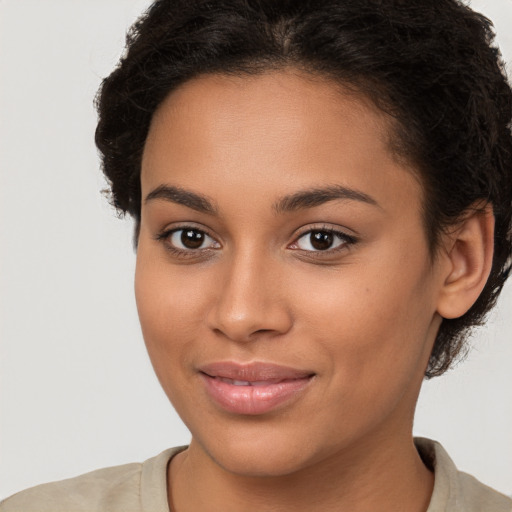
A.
pixel 253 400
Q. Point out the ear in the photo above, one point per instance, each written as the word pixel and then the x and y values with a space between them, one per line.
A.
pixel 468 252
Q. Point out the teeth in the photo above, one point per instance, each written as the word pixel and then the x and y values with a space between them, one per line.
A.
pixel 235 382
pixel 241 383
pixel 261 383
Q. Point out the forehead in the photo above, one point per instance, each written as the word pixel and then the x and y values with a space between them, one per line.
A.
pixel 270 103
pixel 278 130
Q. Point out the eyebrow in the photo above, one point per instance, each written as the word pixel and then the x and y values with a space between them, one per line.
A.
pixel 297 201
pixel 184 197
pixel 318 196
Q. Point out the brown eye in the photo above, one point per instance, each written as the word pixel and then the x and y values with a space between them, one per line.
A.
pixel 189 239
pixel 192 239
pixel 322 240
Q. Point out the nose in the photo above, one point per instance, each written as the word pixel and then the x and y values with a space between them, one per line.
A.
pixel 251 301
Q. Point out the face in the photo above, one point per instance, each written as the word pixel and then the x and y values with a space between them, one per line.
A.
pixel 284 284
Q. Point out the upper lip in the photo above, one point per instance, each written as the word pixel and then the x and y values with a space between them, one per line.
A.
pixel 253 372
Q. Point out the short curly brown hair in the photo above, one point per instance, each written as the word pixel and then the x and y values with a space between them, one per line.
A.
pixel 430 64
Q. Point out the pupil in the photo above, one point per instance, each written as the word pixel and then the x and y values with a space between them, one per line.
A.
pixel 192 239
pixel 321 240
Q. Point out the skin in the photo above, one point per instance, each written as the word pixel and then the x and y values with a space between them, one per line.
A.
pixel 362 316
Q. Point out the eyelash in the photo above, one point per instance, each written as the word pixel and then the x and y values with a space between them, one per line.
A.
pixel 346 241
pixel 165 237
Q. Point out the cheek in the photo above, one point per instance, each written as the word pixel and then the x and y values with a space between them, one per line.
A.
pixel 376 330
pixel 167 303
pixel 375 357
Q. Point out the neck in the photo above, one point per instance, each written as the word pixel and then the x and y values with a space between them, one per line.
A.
pixel 382 473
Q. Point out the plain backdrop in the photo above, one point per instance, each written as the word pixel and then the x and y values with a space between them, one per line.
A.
pixel 77 389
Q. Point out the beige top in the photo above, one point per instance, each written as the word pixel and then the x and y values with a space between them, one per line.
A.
pixel 143 488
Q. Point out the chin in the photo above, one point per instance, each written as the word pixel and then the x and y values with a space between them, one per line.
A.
pixel 260 463
pixel 260 451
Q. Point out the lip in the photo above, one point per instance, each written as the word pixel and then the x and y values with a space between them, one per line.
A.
pixel 254 388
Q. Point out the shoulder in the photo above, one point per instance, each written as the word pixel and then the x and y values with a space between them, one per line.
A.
pixel 480 496
pixel 136 487
pixel 91 491
pixel 457 491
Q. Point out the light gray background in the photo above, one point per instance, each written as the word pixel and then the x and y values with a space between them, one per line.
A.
pixel 77 389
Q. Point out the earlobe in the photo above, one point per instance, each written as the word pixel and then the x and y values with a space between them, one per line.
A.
pixel 469 255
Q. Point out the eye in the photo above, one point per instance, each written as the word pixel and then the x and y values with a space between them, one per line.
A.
pixel 322 240
pixel 188 239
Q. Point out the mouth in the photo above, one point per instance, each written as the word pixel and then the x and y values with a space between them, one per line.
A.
pixel 259 383
pixel 253 389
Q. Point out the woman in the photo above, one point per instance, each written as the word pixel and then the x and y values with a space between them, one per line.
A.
pixel 322 196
